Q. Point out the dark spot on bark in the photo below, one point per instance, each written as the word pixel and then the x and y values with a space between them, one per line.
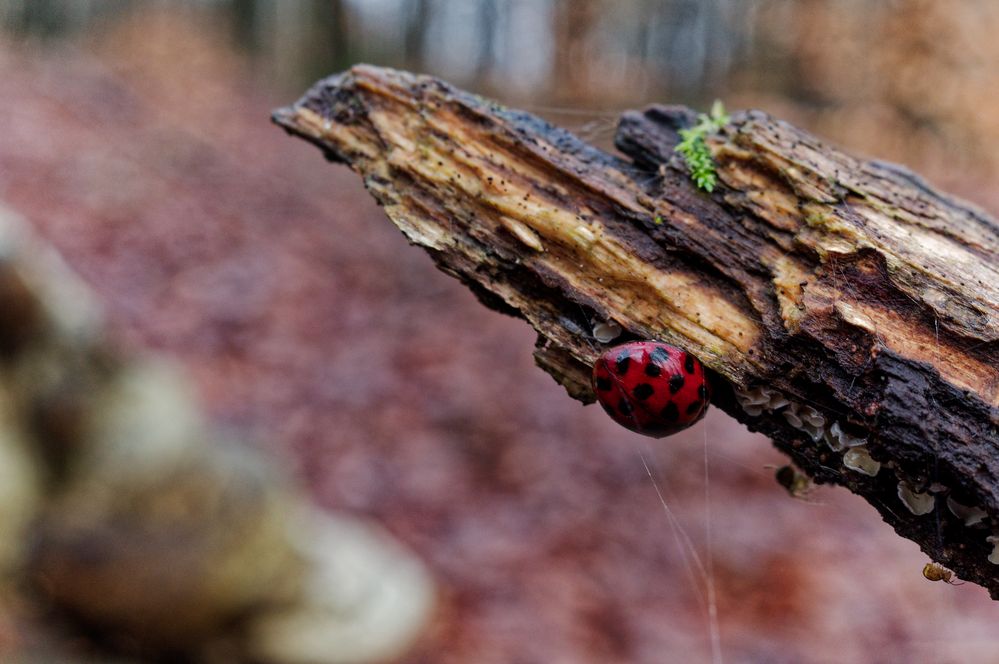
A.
pixel 643 391
pixel 670 413
pixel 676 383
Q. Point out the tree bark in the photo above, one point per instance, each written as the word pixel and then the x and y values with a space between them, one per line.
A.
pixel 845 308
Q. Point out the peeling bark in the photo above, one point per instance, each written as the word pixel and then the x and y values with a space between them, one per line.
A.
pixel 845 308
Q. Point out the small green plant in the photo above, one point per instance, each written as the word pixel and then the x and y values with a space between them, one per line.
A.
pixel 694 148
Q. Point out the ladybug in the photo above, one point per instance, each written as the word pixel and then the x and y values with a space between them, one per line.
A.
pixel 651 387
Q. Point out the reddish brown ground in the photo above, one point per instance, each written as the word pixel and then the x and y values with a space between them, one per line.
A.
pixel 307 322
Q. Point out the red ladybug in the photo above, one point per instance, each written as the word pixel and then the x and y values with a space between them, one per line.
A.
pixel 650 387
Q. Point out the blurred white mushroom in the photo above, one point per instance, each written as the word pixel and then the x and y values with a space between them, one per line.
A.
pixel 365 599
pixel 156 528
pixel 20 492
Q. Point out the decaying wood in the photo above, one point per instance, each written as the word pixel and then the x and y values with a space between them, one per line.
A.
pixel 846 309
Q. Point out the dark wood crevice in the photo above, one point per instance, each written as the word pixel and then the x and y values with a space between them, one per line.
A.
pixel 849 287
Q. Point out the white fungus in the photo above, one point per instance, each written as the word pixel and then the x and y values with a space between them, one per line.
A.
pixel 807 419
pixel 970 515
pixel 812 422
pixel 759 399
pixel 833 441
pixel 918 503
pixel 838 440
pixel 994 556
pixel 859 459
pixel 606 331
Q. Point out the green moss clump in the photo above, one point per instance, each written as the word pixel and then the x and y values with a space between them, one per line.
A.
pixel 694 149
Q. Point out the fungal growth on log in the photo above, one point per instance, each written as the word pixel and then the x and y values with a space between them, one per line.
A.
pixel 844 308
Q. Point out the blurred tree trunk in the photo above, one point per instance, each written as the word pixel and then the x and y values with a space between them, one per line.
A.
pixel 573 22
pixel 488 15
pixel 845 308
pixel 336 18
pixel 416 32
pixel 244 16
pixel 300 38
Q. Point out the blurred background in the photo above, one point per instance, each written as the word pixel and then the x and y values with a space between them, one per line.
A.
pixel 135 137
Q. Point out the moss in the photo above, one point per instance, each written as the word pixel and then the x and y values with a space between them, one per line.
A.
pixel 694 148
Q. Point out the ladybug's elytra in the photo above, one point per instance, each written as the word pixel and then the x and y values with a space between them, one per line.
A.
pixel 651 387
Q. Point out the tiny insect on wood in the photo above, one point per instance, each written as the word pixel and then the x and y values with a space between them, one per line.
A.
pixel 797 483
pixel 937 572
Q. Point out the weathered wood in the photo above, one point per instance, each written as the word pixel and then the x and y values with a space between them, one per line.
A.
pixel 845 307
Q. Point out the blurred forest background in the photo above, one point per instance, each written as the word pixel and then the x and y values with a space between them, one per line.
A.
pixel 135 136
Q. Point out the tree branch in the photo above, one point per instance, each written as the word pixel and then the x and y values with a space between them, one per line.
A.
pixel 845 308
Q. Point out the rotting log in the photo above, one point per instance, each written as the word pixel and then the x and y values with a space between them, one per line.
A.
pixel 845 308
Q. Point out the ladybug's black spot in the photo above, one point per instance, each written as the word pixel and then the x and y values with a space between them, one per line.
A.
pixel 643 391
pixel 659 355
pixel 694 407
pixel 688 363
pixel 603 384
pixel 670 413
pixel 625 407
pixel 653 370
pixel 676 383
pixel 622 364
pixel 702 391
